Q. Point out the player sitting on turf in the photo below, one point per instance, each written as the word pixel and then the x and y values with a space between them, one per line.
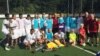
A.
pixel 72 37
pixel 30 39
pixel 60 35
pixel 50 44
pixel 57 41
pixel 41 38
pixel 49 35
pixel 82 34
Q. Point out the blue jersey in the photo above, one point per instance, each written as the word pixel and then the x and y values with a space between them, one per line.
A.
pixel 35 23
pixel 42 23
pixel 61 20
pixel 49 23
pixel 73 23
pixel 67 21
pixel 49 36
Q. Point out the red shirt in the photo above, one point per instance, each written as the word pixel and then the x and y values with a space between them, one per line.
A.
pixel 82 32
pixel 93 26
pixel 86 21
pixel 55 22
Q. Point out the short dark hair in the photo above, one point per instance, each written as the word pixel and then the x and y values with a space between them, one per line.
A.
pixel 31 29
pixel 6 14
pixel 28 15
pixel 20 14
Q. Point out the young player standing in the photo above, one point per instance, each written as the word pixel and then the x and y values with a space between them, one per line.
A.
pixel 5 30
pixel 49 23
pixel 14 31
pixel 21 26
pixel 28 24
pixel 82 35
pixel 61 23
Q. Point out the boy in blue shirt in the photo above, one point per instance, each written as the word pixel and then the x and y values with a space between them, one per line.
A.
pixel 61 23
pixel 49 23
pixel 73 23
pixel 49 35
pixel 35 23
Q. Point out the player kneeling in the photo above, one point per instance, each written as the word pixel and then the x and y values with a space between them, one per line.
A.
pixel 72 38
pixel 30 39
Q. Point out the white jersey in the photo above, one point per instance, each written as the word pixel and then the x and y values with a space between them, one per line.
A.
pixel 21 26
pixel 5 30
pixel 5 21
pixel 21 23
pixel 38 34
pixel 14 26
pixel 27 25
pixel 30 37
pixel 60 35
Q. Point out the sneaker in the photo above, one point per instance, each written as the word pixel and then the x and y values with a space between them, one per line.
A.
pixel 83 44
pixel 7 49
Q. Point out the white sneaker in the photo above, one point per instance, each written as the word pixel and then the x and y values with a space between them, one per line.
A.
pixel 7 49
pixel 84 44
pixel 88 40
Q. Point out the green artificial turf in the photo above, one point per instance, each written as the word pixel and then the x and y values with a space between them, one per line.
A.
pixel 66 51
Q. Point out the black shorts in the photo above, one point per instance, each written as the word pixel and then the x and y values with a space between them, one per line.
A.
pixel 93 34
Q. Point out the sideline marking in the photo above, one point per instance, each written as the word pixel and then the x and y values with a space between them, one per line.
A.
pixel 85 50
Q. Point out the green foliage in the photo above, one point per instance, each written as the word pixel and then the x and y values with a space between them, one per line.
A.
pixel 18 10
pixel 40 6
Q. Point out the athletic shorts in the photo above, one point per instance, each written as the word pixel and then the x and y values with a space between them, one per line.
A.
pixel 28 30
pixel 93 34
pixel 15 34
pixel 22 32
pixel 29 41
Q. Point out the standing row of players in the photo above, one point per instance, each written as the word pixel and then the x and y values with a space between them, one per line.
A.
pixel 47 29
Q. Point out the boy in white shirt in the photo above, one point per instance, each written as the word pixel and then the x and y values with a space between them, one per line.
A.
pixel 28 24
pixel 5 30
pixel 30 39
pixel 21 26
pixel 14 31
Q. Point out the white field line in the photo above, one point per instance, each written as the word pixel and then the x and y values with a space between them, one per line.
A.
pixel 85 50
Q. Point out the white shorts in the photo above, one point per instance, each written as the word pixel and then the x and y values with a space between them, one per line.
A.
pixel 28 30
pixel 16 34
pixel 5 31
pixel 22 32
pixel 29 41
